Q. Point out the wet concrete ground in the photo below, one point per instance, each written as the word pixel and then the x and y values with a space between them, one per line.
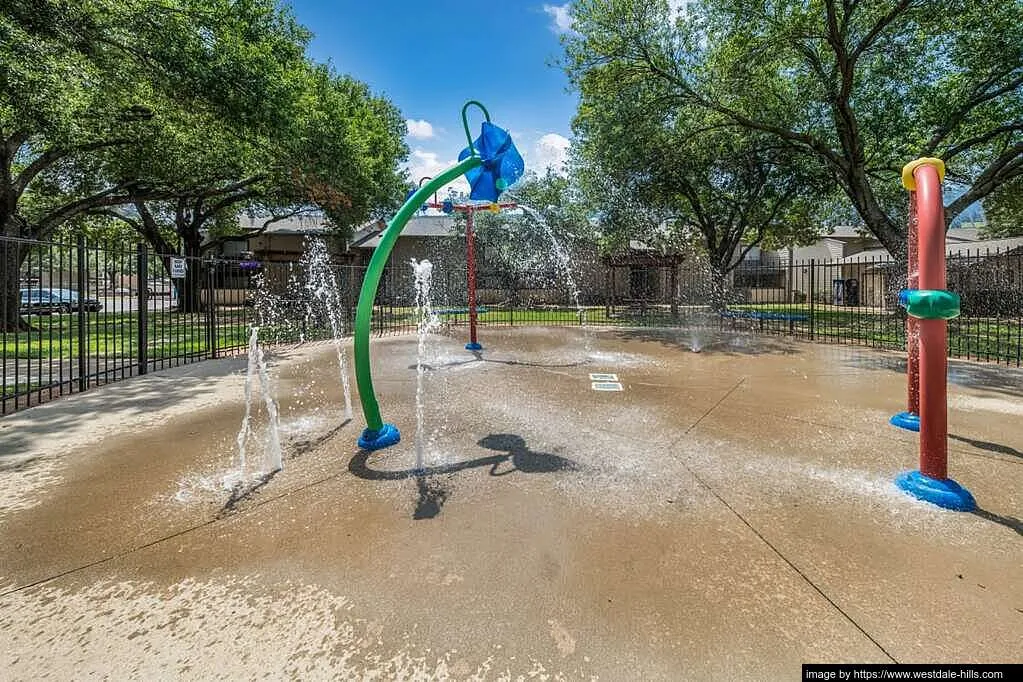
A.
pixel 729 514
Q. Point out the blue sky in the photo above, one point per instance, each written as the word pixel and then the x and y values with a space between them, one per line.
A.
pixel 430 57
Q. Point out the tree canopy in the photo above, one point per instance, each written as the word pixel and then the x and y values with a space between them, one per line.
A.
pixel 172 114
pixel 682 175
pixel 1004 210
pixel 855 88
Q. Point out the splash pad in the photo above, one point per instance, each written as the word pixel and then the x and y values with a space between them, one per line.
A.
pixel 538 540
pixel 518 545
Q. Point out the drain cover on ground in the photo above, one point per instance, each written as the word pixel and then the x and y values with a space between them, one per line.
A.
pixel 603 377
pixel 606 386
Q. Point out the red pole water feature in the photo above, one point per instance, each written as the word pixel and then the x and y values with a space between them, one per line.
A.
pixel 470 257
pixel 933 332
pixel 932 306
pixel 910 419
pixel 912 328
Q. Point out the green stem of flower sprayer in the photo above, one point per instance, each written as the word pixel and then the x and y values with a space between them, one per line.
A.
pixel 364 313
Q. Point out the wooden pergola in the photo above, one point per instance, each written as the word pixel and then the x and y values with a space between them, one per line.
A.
pixel 640 257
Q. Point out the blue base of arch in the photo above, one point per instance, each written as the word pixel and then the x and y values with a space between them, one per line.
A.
pixel 906 420
pixel 945 493
pixel 473 346
pixel 377 440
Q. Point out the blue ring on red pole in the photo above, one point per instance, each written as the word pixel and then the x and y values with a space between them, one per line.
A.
pixel 906 420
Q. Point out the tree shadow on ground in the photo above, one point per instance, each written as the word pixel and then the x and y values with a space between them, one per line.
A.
pixel 711 340
pixel 145 395
pixel 432 494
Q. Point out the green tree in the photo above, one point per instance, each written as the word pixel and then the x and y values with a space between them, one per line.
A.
pixel 81 85
pixel 518 243
pixel 335 153
pixel 185 110
pixel 855 87
pixel 673 174
pixel 1004 210
pixel 54 109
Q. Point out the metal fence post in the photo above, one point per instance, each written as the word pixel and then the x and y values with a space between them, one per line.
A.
pixel 812 295
pixel 142 351
pixel 673 286
pixel 1019 315
pixel 83 369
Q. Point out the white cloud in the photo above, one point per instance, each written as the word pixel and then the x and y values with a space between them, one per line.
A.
pixel 561 16
pixel 420 130
pixel 422 164
pixel 551 151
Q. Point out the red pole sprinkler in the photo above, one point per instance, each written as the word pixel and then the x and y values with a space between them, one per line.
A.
pixel 470 258
pixel 470 255
pixel 932 305
pixel 910 419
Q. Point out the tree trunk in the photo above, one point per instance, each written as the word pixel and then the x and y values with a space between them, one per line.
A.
pixel 12 255
pixel 190 288
pixel 878 223
pixel 888 234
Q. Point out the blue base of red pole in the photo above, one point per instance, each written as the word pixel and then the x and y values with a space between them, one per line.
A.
pixel 472 345
pixel 906 420
pixel 387 436
pixel 945 493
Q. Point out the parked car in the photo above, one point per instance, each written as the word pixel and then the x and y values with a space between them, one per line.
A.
pixel 159 287
pixel 37 302
pixel 68 301
pixel 42 301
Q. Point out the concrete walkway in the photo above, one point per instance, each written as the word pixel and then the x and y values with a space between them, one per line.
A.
pixel 729 514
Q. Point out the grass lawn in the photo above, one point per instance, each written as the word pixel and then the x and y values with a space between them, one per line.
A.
pixel 171 334
pixel 115 335
pixel 983 338
pixel 564 316
pixel 406 316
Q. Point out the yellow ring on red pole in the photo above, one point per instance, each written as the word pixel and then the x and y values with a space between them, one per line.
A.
pixel 909 182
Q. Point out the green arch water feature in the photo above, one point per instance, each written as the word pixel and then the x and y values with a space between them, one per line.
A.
pixel 492 164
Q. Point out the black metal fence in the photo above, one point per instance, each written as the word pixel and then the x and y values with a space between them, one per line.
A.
pixel 848 301
pixel 79 315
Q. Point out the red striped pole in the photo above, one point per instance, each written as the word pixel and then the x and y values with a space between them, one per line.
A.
pixel 470 256
pixel 912 328
pixel 933 333
pixel 932 305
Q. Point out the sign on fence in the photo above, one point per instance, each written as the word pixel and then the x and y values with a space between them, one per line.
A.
pixel 178 268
